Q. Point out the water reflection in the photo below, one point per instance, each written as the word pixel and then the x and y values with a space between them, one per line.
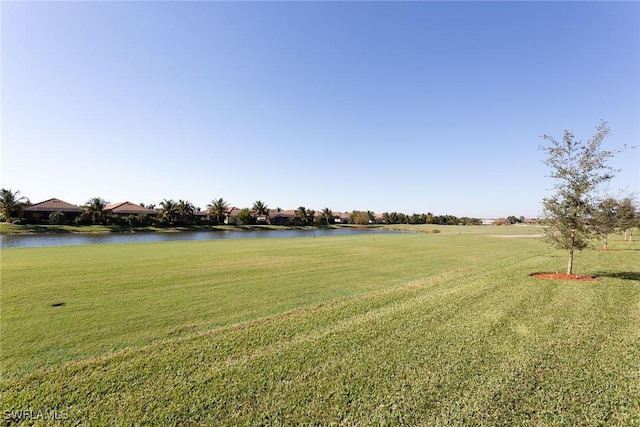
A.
pixel 42 240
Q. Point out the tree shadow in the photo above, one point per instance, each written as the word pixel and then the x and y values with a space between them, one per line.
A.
pixel 625 275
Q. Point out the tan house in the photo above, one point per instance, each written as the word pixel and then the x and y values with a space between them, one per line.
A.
pixel 128 208
pixel 379 219
pixel 201 216
pixel 342 217
pixel 282 217
pixel 233 216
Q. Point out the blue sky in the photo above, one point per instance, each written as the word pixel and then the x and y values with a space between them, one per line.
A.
pixel 383 106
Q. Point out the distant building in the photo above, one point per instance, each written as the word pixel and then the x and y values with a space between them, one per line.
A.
pixel 342 217
pixel 283 217
pixel 40 212
pixel 233 216
pixel 128 208
pixel 379 219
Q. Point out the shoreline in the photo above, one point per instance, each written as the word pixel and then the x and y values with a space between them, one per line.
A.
pixel 67 229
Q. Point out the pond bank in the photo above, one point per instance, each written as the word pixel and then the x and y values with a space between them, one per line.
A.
pixel 30 240
pixel 92 229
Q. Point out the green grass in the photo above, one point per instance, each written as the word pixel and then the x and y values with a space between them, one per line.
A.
pixel 418 329
pixel 57 228
pixel 510 230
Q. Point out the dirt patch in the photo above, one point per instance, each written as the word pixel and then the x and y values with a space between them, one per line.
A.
pixel 561 276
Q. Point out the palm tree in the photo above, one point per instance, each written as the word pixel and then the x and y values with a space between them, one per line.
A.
pixel 327 215
pixel 95 209
pixel 372 216
pixel 11 202
pixel 56 217
pixel 185 210
pixel 218 209
pixel 131 218
pixel 301 214
pixel 311 214
pixel 261 211
pixel 167 211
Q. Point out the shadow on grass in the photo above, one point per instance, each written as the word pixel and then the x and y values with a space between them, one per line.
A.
pixel 625 275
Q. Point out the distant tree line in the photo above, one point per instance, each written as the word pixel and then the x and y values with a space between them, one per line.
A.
pixel 183 212
pixel 428 218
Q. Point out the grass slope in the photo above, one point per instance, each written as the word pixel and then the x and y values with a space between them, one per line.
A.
pixel 403 329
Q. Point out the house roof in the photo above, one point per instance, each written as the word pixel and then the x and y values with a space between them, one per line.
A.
pixel 233 211
pixel 283 214
pixel 54 205
pixel 126 208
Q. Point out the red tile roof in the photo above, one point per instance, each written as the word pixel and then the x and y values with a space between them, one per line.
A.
pixel 126 208
pixel 283 214
pixel 233 211
pixel 54 205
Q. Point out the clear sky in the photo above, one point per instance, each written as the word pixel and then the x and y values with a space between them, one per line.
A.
pixel 382 106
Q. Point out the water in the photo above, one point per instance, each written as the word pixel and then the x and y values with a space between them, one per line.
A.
pixel 43 240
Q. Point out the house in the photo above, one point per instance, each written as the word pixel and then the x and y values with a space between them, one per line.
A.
pixel 488 221
pixel 262 219
pixel 128 208
pixel 233 216
pixel 41 211
pixel 283 217
pixel 379 219
pixel 342 217
pixel 201 216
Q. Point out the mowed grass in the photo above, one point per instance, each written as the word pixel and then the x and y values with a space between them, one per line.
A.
pixel 418 329
pixel 118 296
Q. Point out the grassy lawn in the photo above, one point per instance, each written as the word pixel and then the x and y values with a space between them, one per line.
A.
pixel 52 228
pixel 418 329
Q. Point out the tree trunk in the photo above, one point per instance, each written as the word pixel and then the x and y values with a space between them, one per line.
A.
pixel 606 242
pixel 570 264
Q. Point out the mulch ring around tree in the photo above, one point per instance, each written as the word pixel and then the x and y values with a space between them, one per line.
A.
pixel 561 276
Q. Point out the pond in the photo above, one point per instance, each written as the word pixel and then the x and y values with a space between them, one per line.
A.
pixel 43 240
